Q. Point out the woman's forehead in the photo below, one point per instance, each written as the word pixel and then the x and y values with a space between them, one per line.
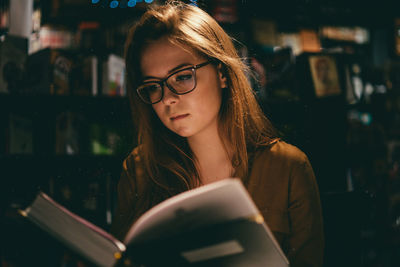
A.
pixel 160 56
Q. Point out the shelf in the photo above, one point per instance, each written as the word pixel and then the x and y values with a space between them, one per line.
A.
pixel 83 158
pixel 43 110
pixel 38 168
pixel 97 107
pixel 37 102
pixel 312 13
pixel 55 161
pixel 70 14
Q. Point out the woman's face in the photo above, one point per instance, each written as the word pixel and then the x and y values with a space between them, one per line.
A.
pixel 191 114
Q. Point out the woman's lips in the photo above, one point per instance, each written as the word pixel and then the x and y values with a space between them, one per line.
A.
pixel 175 118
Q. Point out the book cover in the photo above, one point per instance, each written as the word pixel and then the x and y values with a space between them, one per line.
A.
pixel 213 225
pixel 310 41
pixel 114 76
pixel 324 75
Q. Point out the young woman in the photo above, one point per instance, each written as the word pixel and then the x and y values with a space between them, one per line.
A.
pixel 198 122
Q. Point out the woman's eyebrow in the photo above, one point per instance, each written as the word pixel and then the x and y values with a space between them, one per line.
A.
pixel 169 72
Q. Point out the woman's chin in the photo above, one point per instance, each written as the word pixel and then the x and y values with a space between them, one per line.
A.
pixel 183 132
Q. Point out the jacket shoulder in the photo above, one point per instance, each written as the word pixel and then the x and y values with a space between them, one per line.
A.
pixel 280 150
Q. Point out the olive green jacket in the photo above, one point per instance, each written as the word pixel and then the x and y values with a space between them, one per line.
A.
pixel 283 186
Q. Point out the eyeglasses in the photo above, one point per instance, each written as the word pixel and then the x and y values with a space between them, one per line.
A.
pixel 179 82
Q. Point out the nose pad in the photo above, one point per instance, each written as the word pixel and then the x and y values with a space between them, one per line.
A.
pixel 169 97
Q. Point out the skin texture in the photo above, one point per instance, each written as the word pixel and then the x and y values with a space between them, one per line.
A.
pixel 198 110
pixel 194 115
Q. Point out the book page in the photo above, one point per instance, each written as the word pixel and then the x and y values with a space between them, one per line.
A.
pixel 214 203
pixel 75 232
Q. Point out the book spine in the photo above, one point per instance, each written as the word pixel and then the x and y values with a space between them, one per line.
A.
pixel 94 68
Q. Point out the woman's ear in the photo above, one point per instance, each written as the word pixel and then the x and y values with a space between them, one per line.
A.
pixel 222 76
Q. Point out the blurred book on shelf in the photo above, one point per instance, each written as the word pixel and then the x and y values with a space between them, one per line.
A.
pixel 70 134
pixel 292 40
pixel 34 38
pixel 303 40
pixel 48 72
pixel 351 97
pixel 350 34
pixel 114 36
pixel 325 75
pixel 4 16
pixel 355 92
pixel 279 73
pixel 21 18
pixel 89 36
pixel 310 41
pixel 114 76
pixel 264 32
pixel 13 52
pixel 225 11
pixel 397 36
pixel 20 134
pixel 56 37
pixel 106 139
pixel 84 77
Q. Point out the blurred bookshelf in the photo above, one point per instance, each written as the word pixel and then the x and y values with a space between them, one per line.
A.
pixel 75 132
pixel 114 106
pixel 65 120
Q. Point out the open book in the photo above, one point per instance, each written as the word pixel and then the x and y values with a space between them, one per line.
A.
pixel 213 225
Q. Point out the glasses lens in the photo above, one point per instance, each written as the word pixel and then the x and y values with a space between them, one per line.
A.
pixel 182 81
pixel 150 92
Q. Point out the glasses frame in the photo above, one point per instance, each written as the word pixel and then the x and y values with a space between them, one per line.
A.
pixel 164 81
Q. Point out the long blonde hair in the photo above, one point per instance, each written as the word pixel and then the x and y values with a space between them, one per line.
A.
pixel 167 158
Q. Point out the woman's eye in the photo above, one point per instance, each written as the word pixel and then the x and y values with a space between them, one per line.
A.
pixel 152 88
pixel 184 77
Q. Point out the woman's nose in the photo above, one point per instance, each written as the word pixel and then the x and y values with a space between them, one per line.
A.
pixel 169 97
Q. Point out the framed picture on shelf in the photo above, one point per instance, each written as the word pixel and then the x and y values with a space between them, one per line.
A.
pixel 325 75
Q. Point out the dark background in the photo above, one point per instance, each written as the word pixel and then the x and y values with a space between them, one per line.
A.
pixel 354 146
